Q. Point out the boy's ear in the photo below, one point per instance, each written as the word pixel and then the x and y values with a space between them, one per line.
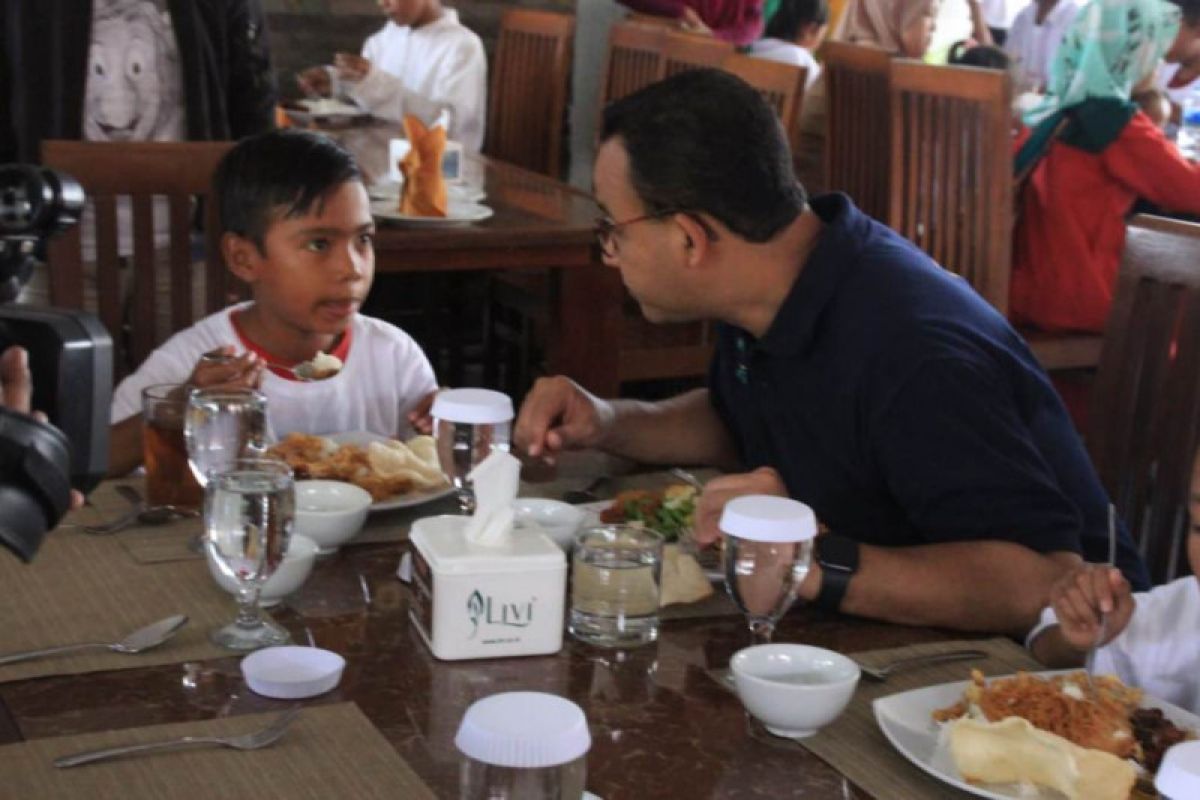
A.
pixel 241 256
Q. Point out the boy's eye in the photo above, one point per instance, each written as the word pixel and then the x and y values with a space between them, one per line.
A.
pixel 317 245
pixel 367 238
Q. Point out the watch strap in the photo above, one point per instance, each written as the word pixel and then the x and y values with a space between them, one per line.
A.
pixel 838 557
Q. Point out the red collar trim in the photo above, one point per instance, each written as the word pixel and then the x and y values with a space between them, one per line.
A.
pixel 341 349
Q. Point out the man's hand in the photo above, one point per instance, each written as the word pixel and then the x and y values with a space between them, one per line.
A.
pixel 1081 596
pixel 351 67
pixel 558 414
pixel 315 82
pixel 419 418
pixel 720 491
pixel 222 369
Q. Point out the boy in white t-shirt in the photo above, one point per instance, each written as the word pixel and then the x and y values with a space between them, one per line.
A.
pixel 793 33
pixel 1152 640
pixel 297 227
pixel 422 62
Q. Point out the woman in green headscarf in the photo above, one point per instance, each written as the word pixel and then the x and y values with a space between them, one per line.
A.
pixel 1091 153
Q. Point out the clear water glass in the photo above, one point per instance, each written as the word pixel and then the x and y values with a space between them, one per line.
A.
pixel 221 426
pixel 616 585
pixel 762 579
pixel 249 510
pixel 462 446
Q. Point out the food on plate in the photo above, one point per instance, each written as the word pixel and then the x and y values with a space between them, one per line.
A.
pixel 325 106
pixel 669 511
pixel 321 366
pixel 1014 751
pixel 683 581
pixel 1057 731
pixel 384 469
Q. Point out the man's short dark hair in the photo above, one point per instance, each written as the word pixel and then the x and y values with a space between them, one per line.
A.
pixel 792 15
pixel 706 141
pixel 1190 9
pixel 277 175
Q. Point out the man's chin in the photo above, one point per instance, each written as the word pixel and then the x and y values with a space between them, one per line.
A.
pixel 664 316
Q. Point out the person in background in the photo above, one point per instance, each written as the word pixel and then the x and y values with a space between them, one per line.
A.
pixel 1084 177
pixel 1034 38
pixel 423 62
pixel 793 33
pixel 303 241
pixel 1155 104
pixel 985 56
pixel 902 27
pixel 998 16
pixel 739 22
pixel 1150 639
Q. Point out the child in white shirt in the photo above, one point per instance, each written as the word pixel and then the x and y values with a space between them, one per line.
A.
pixel 1034 38
pixel 793 32
pixel 423 62
pixel 1152 640
pixel 297 228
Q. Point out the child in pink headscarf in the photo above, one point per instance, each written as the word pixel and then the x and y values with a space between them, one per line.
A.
pixel 736 21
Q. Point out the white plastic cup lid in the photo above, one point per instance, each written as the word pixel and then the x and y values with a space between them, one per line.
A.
pixel 767 518
pixel 473 406
pixel 1179 774
pixel 524 729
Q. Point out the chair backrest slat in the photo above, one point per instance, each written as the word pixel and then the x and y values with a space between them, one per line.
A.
pixel 1144 426
pixel 856 127
pixel 687 51
pixel 633 60
pixel 950 172
pixel 781 86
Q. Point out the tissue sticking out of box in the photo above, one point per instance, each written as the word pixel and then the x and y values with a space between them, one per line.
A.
pixel 496 480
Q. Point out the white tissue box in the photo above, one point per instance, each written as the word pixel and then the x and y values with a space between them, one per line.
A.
pixel 475 602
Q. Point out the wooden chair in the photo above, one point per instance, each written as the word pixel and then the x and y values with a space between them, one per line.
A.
pixel 857 148
pixel 633 60
pixel 1145 419
pixel 686 51
pixel 781 85
pixel 531 76
pixel 180 171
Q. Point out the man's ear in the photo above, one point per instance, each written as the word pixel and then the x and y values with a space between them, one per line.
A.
pixel 241 256
pixel 696 238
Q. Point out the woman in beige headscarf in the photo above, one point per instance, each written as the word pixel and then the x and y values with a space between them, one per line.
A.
pixel 903 27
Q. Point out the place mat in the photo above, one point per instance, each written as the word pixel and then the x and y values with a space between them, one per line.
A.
pixel 329 751
pixel 716 604
pixel 855 746
pixel 83 588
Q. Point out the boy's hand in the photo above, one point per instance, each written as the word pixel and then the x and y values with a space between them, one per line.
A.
pixel 1081 596
pixel 222 369
pixel 419 418
pixel 314 82
pixel 351 67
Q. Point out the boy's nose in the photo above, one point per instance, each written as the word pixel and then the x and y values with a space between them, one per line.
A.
pixel 353 265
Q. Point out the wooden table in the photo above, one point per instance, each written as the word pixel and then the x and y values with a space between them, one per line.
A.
pixel 539 223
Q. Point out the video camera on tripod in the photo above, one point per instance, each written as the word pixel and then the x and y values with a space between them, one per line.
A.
pixel 70 358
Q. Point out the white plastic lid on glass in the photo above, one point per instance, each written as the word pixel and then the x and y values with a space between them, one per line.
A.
pixel 473 406
pixel 524 729
pixel 767 518
pixel 1178 776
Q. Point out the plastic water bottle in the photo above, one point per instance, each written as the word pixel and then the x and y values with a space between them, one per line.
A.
pixel 1189 125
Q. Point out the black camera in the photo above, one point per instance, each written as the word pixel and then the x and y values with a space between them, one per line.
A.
pixel 70 358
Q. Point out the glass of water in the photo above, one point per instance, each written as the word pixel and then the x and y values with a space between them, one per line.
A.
pixel 616 581
pixel 767 554
pixel 221 426
pixel 248 513
pixel 468 425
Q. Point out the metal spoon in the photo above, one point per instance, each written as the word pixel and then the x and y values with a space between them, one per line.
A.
pixel 1089 665
pixel 141 639
pixel 884 672
pixel 158 515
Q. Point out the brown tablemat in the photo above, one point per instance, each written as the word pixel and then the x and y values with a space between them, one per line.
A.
pixel 83 588
pixel 716 604
pixel 329 751
pixel 855 746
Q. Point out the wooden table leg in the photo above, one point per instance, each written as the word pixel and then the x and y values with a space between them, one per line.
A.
pixel 585 344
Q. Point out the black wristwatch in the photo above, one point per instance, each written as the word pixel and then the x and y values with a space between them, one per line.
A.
pixel 838 557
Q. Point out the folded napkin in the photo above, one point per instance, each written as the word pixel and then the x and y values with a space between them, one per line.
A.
pixel 424 192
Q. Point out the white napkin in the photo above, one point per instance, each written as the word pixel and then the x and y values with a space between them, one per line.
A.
pixel 496 480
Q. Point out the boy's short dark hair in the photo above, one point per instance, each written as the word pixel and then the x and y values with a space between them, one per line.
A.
pixel 1190 9
pixel 277 175
pixel 964 54
pixel 706 141
pixel 792 15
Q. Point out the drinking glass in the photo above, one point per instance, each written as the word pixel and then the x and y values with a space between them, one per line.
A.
pixel 221 426
pixel 468 425
pixel 169 480
pixel 767 554
pixel 616 583
pixel 248 514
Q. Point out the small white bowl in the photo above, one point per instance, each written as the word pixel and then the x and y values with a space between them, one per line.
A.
pixel 287 578
pixel 559 520
pixel 291 672
pixel 330 512
pixel 793 689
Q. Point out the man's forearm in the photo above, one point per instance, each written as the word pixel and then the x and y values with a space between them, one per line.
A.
pixel 973 586
pixel 682 430
pixel 125 446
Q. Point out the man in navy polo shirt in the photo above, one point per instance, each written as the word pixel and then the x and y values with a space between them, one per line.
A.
pixel 851 373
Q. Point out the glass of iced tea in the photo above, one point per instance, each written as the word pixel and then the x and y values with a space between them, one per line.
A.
pixel 169 478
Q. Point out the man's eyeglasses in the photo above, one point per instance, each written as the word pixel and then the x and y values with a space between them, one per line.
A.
pixel 606 229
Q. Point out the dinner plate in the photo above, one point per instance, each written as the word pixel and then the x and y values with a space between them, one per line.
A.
pixel 388 190
pixel 906 721
pixel 710 559
pixel 364 438
pixel 457 213
pixel 329 113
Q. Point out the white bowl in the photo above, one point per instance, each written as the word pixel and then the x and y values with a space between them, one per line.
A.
pixel 287 578
pixel 793 689
pixel 330 512
pixel 559 520
pixel 292 672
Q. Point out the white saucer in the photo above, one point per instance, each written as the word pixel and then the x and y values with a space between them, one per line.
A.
pixel 291 672
pixel 457 213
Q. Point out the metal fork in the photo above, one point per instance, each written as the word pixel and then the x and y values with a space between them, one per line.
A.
pixel 250 741
pixel 1102 631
